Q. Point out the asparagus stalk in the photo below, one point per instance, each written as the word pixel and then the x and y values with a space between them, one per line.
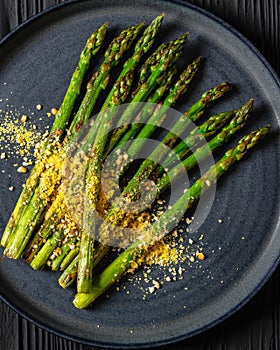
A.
pixel 117 95
pixel 70 273
pixel 164 83
pixel 146 69
pixel 182 124
pixel 116 215
pixel 61 121
pixel 100 79
pixel 179 88
pixel 65 249
pixel 201 153
pixel 42 257
pixel 92 187
pixel 73 254
pixel 92 47
pixel 54 215
pixel 85 267
pixel 165 58
pixel 143 45
pixel 146 111
pixel 237 122
pixel 36 208
pixel 207 128
pixel 172 52
pixel 58 209
pixel 123 262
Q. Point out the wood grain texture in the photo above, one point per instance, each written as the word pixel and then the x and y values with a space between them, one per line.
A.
pixel 256 325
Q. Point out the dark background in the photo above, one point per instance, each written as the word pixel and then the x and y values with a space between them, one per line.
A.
pixel 256 325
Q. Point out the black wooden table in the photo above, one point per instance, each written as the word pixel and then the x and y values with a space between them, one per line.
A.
pixel 257 324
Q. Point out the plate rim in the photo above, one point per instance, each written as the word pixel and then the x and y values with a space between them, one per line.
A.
pixel 261 283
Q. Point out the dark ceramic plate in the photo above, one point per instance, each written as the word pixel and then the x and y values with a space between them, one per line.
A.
pixel 242 252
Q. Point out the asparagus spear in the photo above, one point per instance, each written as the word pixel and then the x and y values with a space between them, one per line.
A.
pixel 92 187
pixel 179 88
pixel 70 273
pixel 147 110
pixel 182 124
pixel 41 258
pixel 64 113
pixel 143 45
pixel 120 89
pixel 36 208
pixel 165 58
pixel 208 128
pixel 100 79
pixel 73 254
pixel 238 121
pixel 93 45
pixel 116 215
pixel 146 69
pixel 201 153
pixel 65 249
pixel 172 52
pixel 122 263
pixel 58 209
pixel 53 214
pixel 213 124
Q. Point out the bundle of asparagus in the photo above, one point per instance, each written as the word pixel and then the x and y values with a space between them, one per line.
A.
pixel 42 229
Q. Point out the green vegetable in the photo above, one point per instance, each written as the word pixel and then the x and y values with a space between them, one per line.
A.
pixel 122 263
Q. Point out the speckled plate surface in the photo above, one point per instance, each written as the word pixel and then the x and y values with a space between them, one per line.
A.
pixel 242 251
